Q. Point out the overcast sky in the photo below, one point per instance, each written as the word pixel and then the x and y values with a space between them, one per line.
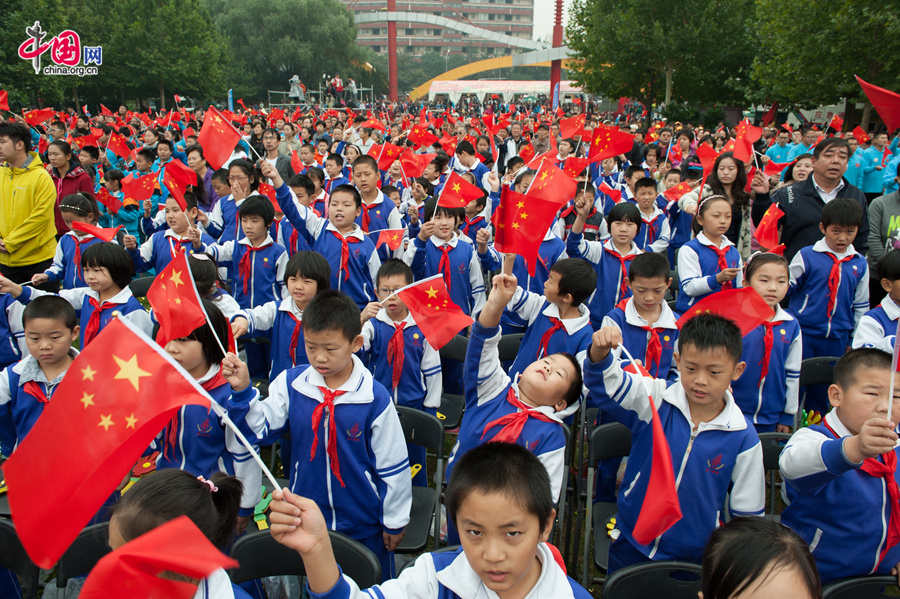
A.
pixel 543 17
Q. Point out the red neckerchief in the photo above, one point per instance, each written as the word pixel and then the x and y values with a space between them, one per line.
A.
pixel 245 265
pixel 345 252
pixel 34 389
pixel 328 397
pixel 623 261
pixel 514 422
pixel 396 353
pixel 557 325
pixel 722 263
pixel 93 326
pixel 768 341
pixel 295 338
pixel 77 258
pixel 834 279
pixel 444 264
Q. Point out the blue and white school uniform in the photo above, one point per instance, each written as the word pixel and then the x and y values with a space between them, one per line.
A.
pixel 827 321
pixel 264 282
pixel 368 489
pixel 653 234
pixel 717 459
pixel 461 270
pixel 352 257
pixel 226 304
pixel 219 586
pixel 331 184
pixel 878 327
pixel 470 226
pixel 282 322
pixel 486 389
pixel 161 248
pixel 546 332
pixel 698 265
pixel 382 214
pixel 224 221
pixel 285 235
pixel 836 507
pixel 612 272
pixel 771 398
pixel 66 266
pixel 642 338
pixel 12 332
pixel 449 575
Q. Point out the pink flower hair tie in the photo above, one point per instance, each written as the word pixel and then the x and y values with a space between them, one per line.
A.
pixel 212 488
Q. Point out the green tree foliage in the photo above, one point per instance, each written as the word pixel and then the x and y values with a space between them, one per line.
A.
pixel 703 47
pixel 809 51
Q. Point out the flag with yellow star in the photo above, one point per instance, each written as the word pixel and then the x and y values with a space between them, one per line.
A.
pixel 744 306
pixel 438 317
pixel 175 301
pixel 138 189
pixel 392 237
pixel 457 192
pixel 521 222
pixel 218 138
pixel 608 142
pixel 552 184
pixel 116 396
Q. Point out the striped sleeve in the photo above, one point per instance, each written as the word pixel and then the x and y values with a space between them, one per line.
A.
pixel 392 467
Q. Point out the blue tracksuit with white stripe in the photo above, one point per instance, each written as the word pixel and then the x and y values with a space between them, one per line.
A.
pixel 551 250
pixel 825 333
pixel 363 262
pixel 653 234
pixel 382 215
pixel 636 337
pixel 698 265
pixel 842 512
pixel 161 248
pixel 376 494
pixel 278 320
pixel 12 334
pixel 265 282
pixel 608 263
pixel 774 399
pixel 466 285
pixel 64 267
pixel 878 327
pixel 717 459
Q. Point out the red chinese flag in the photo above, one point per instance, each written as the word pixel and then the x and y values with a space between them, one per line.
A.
pixel 660 508
pixel 747 134
pixel 769 117
pixel 392 237
pixel 134 569
pixel 105 111
pixel 276 114
pixel 707 156
pixel 552 185
pixel 438 317
pixel 85 140
pixel 38 116
pixel 98 232
pixel 885 102
pixel 118 144
pixel 268 191
pixel 748 186
pixel 111 202
pixel 574 166
pixel 175 301
pixel 448 144
pixel 609 141
pixel 296 163
pixel 414 164
pixel 773 169
pixel 836 123
pixel 421 136
pixel 572 127
pixel 861 136
pixel 526 152
pixel 389 153
pixel 374 151
pixel 217 138
pixel 521 222
pixel 614 194
pixel 457 192
pixel 743 306
pixel 117 395
pixel 674 193
pixel 177 178
pixel 4 99
pixel 373 123
pixel 138 189
pixel 767 230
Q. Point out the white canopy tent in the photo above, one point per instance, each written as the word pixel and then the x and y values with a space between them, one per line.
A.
pixel 507 89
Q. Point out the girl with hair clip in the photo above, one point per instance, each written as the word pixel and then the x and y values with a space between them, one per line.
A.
pixel 768 390
pixel 757 558
pixel 195 440
pixel 161 496
pixel 66 267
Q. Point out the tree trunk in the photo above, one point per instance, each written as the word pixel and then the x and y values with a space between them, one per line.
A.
pixel 866 117
pixel 669 71
pixel 162 97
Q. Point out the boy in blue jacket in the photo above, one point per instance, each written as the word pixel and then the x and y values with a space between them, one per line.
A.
pixel 840 475
pixel 716 453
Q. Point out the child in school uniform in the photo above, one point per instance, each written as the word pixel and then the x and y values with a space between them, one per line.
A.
pixel 107 271
pixel 66 267
pixel 595 226
pixel 557 320
pixel 439 249
pixel 161 496
pixel 307 273
pixel 645 320
pixel 840 474
pixel 715 450
pixel 499 495
pixel 680 221
pixel 51 326
pixel 653 235
pixel 768 390
pixel 473 218
pixel 353 462
pixel 319 197
pixel 209 286
pixel 12 334
pixel 282 231
pixel 349 251
pixel 526 411
pixel 334 178
pixel 829 290
pixel 878 327
pixel 129 214
pixel 163 246
pixel 377 212
pixel 709 262
pixel 195 440
pixel 610 258
pixel 398 355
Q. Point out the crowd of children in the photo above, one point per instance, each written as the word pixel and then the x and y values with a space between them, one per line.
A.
pixel 288 255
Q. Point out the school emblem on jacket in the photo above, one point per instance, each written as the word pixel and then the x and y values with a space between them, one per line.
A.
pixel 353 433
pixel 715 465
pixel 204 428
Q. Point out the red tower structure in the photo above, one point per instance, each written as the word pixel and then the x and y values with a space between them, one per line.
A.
pixel 392 54
pixel 556 65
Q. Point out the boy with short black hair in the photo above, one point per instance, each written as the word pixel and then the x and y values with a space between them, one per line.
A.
pixel 715 450
pixel 839 474
pixel 653 236
pixel 610 258
pixel 357 471
pixel 51 327
pixel 377 212
pixel 282 231
pixel 878 327
pixel 334 177
pixel 499 495
pixel 473 219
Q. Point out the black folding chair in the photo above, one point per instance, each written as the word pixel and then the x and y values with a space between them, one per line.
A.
pixel 508 348
pixel 455 349
pixel 864 587
pixel 814 371
pixel 672 580
pixel 607 441
pixel 421 428
pixel 259 555
pixel 89 546
pixel 13 556
pixel 772 444
pixel 140 286
pixel 451 410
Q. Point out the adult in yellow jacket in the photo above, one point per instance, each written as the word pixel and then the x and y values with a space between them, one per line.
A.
pixel 27 197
